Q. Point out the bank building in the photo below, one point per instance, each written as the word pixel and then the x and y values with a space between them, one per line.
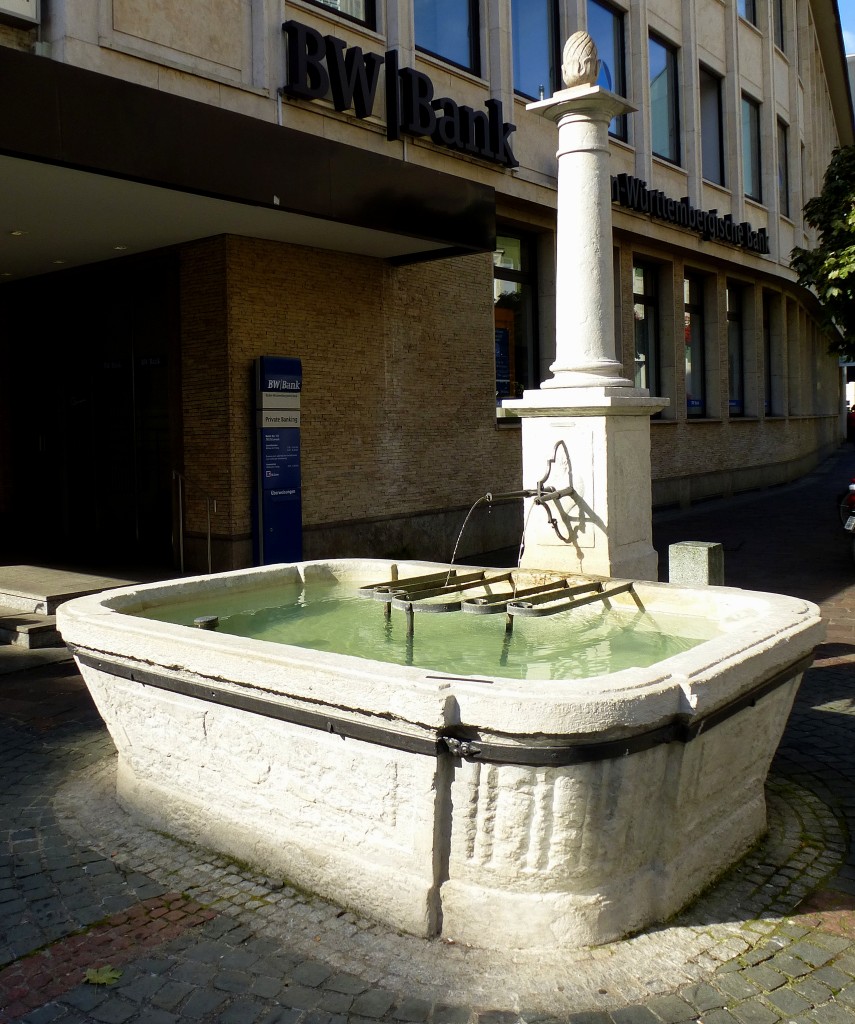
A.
pixel 288 258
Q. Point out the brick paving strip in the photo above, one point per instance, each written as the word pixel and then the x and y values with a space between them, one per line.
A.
pixel 51 972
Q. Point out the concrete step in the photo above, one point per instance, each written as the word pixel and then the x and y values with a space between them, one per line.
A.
pixel 27 629
pixel 39 589
pixel 29 596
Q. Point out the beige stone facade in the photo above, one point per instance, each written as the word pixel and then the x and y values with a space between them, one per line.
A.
pixel 391 313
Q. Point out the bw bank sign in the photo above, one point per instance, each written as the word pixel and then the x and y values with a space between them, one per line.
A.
pixel 321 65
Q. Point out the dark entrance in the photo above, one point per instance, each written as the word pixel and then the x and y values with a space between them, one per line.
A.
pixel 88 422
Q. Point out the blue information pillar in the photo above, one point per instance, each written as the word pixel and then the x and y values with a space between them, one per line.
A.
pixel 279 531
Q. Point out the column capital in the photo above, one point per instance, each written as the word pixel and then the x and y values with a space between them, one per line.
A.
pixel 590 101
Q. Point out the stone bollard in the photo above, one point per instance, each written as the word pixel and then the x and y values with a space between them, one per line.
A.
pixel 694 563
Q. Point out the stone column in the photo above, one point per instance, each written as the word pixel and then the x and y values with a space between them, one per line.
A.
pixel 585 328
pixel 587 426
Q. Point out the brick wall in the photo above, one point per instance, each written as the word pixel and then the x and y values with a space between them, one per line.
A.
pixel 398 405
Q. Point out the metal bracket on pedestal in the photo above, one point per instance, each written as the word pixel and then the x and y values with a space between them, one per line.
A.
pixel 543 494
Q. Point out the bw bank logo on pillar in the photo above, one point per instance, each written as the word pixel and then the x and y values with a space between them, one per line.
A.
pixel 318 66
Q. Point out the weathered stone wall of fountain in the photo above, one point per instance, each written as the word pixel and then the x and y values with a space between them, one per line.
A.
pixel 496 811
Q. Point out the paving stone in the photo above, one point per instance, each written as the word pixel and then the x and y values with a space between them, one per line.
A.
pixel 155 1016
pixel 846 996
pixel 845 964
pixel 830 1013
pixel 335 1002
pixel 703 996
pixel 114 1010
pixel 671 1009
pixel 789 1002
pixel 194 973
pixel 280 1015
pixel 765 977
pixel 266 987
pixel 202 1002
pixel 300 997
pixel 311 973
pixel 811 953
pixel 347 983
pixel 171 994
pixel 736 986
pixel 320 1017
pixel 85 997
pixel 789 965
pixel 232 981
pixel 753 1011
pixel 415 1010
pixel 634 1015
pixel 374 1003
pixel 241 1011
pixel 462 1015
pixel 719 1016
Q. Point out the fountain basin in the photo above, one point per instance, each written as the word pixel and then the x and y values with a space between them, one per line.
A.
pixel 501 812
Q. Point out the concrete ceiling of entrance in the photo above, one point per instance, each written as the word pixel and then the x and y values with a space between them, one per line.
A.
pixel 54 217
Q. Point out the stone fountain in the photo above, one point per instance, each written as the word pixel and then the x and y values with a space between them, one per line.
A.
pixel 546 808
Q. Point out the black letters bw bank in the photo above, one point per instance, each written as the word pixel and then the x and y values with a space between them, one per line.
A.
pixel 318 65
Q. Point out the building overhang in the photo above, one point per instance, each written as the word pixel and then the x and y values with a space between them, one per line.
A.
pixel 826 17
pixel 92 167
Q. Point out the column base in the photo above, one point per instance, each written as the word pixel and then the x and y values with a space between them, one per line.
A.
pixel 597 441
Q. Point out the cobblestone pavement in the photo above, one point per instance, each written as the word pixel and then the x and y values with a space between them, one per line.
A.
pixel 192 936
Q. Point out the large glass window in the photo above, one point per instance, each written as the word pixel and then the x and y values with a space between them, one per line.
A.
pixel 359 10
pixel 514 308
pixel 735 351
pixel 751 148
pixel 693 319
pixel 605 26
pixel 448 29
pixel 712 148
pixel 783 170
pixel 747 9
pixel 534 24
pixel 664 109
pixel 645 300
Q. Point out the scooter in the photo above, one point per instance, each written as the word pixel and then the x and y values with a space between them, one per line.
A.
pixel 846 507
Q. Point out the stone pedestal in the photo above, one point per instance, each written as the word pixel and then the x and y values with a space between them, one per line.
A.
pixel 587 418
pixel 696 563
pixel 603 438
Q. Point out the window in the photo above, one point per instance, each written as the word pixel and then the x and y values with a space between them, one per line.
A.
pixel 751 148
pixel 605 26
pixel 783 170
pixel 693 319
pixel 747 9
pixel 664 112
pixel 534 25
pixel 712 148
pixel 735 351
pixel 767 353
pixel 449 29
pixel 514 290
pixel 778 22
pixel 357 10
pixel 645 298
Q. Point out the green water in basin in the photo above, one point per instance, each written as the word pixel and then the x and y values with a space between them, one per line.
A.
pixel 329 616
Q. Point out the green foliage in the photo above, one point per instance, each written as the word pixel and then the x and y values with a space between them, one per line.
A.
pixel 102 975
pixel 830 268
